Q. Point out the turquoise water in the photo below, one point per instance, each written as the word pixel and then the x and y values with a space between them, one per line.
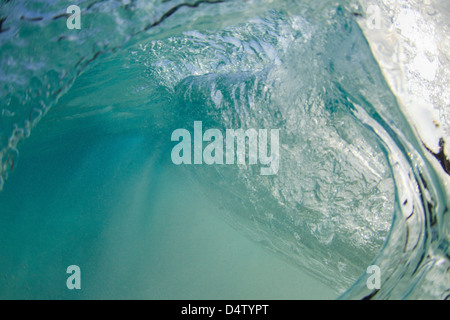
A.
pixel 154 235
pixel 91 112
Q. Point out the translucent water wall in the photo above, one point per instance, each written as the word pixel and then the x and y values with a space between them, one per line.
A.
pixel 354 186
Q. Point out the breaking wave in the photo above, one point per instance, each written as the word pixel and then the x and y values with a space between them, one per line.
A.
pixel 355 185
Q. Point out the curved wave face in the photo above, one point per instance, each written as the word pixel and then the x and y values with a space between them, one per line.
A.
pixel 92 111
